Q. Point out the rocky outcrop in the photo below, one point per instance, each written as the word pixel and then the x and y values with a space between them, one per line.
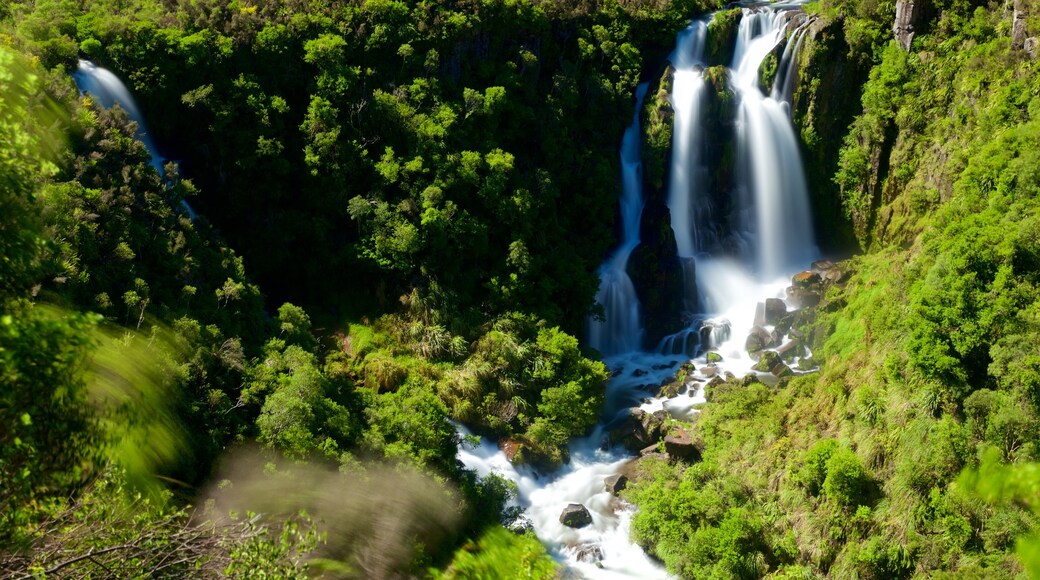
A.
pixel 908 15
pixel 1018 25
pixel 826 98
pixel 575 515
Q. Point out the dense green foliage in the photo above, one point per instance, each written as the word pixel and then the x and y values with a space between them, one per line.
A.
pixel 436 184
pixel 404 149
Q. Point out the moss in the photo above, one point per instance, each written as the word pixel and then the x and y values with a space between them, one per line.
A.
pixel 722 36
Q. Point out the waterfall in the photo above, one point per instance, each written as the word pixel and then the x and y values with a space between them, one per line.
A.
pixel 686 177
pixel 621 328
pixel 106 88
pixel 771 167
pixel 771 229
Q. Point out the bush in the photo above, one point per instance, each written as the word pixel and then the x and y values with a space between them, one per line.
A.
pixel 847 482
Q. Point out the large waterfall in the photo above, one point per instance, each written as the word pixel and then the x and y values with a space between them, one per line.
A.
pixel 768 236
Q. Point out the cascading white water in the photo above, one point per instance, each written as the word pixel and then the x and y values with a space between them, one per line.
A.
pixel 787 72
pixel 108 90
pixel 621 329
pixel 768 150
pixel 780 237
pixel 687 99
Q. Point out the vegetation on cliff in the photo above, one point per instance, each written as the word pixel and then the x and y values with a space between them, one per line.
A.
pixel 910 452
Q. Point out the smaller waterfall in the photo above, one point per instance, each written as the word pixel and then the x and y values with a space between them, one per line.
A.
pixel 787 72
pixel 106 88
pixel 621 329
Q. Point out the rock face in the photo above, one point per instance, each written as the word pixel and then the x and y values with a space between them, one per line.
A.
pixel 1018 25
pixel 575 515
pixel 615 483
pixel 908 13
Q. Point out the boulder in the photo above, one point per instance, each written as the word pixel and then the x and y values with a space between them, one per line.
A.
pixel 662 366
pixel 799 298
pixel 639 372
pixel 775 309
pixel 835 275
pixel 790 350
pixel 510 448
pixel 714 382
pixel 615 483
pixel 770 362
pixel 639 429
pixel 679 445
pixel 575 515
pixel 758 339
pixel 821 266
pixel 754 343
pixel 807 280
pixel 672 390
pixel 713 358
pixel 684 371
pixel 806 363
pixel 590 553
pixel 709 371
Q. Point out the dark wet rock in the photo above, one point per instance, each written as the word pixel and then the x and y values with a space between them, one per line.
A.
pixel 798 298
pixel 770 362
pixel 836 275
pixel 615 483
pixel 775 309
pixel 662 366
pixel 639 372
pixel 639 429
pixel 575 515
pixel 807 280
pixel 590 553
pixel 671 390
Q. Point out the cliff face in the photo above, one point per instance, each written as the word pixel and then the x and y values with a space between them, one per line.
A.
pixel 825 101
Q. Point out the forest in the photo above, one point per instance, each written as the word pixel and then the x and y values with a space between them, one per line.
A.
pixel 377 221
